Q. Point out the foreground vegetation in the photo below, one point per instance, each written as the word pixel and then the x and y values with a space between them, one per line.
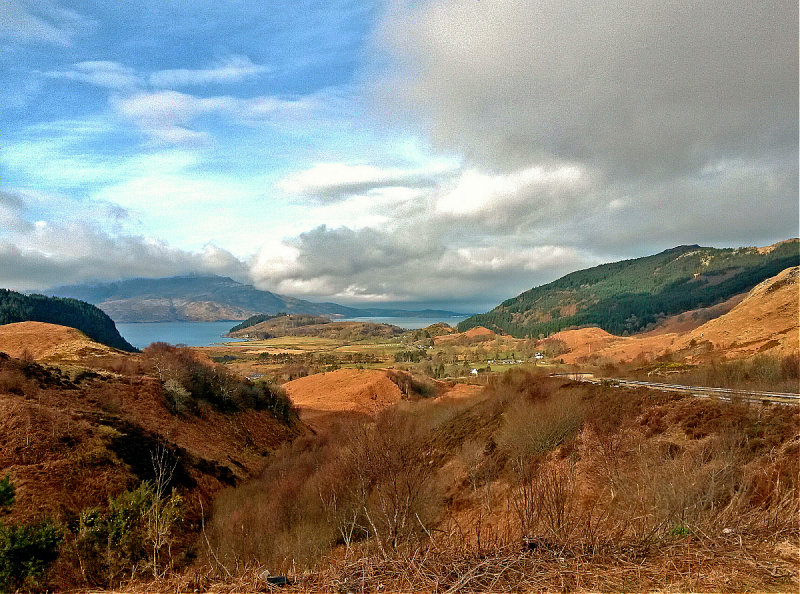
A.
pixel 171 471
pixel 538 484
pixel 106 475
pixel 762 372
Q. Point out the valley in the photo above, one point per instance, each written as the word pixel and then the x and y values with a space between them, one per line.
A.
pixel 323 451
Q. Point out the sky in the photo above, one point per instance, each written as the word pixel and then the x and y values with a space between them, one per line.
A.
pixel 446 153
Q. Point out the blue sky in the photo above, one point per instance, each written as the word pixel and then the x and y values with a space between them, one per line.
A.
pixel 447 152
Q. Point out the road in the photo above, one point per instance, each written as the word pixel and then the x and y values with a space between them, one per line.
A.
pixel 703 391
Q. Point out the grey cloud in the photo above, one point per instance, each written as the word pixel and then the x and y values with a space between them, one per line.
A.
pixel 411 263
pixel 11 202
pixel 337 192
pixel 34 256
pixel 12 219
pixel 636 89
pixel 346 253
pixel 334 182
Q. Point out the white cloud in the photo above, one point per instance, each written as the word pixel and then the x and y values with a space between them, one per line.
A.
pixel 476 191
pixel 40 21
pixel 168 115
pixel 100 73
pixel 508 260
pixel 164 114
pixel 40 254
pixel 230 70
pixel 336 181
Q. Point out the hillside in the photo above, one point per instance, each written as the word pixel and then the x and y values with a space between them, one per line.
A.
pixel 765 321
pixel 73 439
pixel 48 342
pixel 635 295
pixel 91 321
pixel 307 325
pixel 325 396
pixel 207 299
pixel 191 298
pixel 532 484
pixel 277 322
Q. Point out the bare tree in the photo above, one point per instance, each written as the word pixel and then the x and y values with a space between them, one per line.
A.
pixel 164 511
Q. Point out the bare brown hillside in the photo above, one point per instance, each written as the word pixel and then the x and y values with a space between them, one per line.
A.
pixel 50 342
pixel 471 336
pixel 324 398
pixel 69 440
pixel 351 391
pixel 765 321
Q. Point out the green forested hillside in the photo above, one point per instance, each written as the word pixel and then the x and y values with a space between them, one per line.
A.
pixel 627 296
pixel 16 307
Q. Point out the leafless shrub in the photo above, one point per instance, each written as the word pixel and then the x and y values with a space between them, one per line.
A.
pixel 386 480
pixel 533 428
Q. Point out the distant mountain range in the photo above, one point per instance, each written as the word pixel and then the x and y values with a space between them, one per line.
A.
pixel 630 296
pixel 16 307
pixel 208 299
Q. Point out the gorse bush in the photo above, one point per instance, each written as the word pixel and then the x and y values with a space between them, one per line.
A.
pixel 129 537
pixel 189 380
pixel 26 550
pixel 26 553
pixel 7 494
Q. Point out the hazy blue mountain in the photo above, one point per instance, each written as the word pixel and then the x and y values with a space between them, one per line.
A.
pixel 206 298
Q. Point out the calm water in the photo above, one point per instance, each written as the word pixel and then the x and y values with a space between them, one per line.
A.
pixel 409 323
pixel 207 333
pixel 188 333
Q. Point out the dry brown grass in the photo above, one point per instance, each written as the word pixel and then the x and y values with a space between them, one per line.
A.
pixel 730 564
pixel 537 484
